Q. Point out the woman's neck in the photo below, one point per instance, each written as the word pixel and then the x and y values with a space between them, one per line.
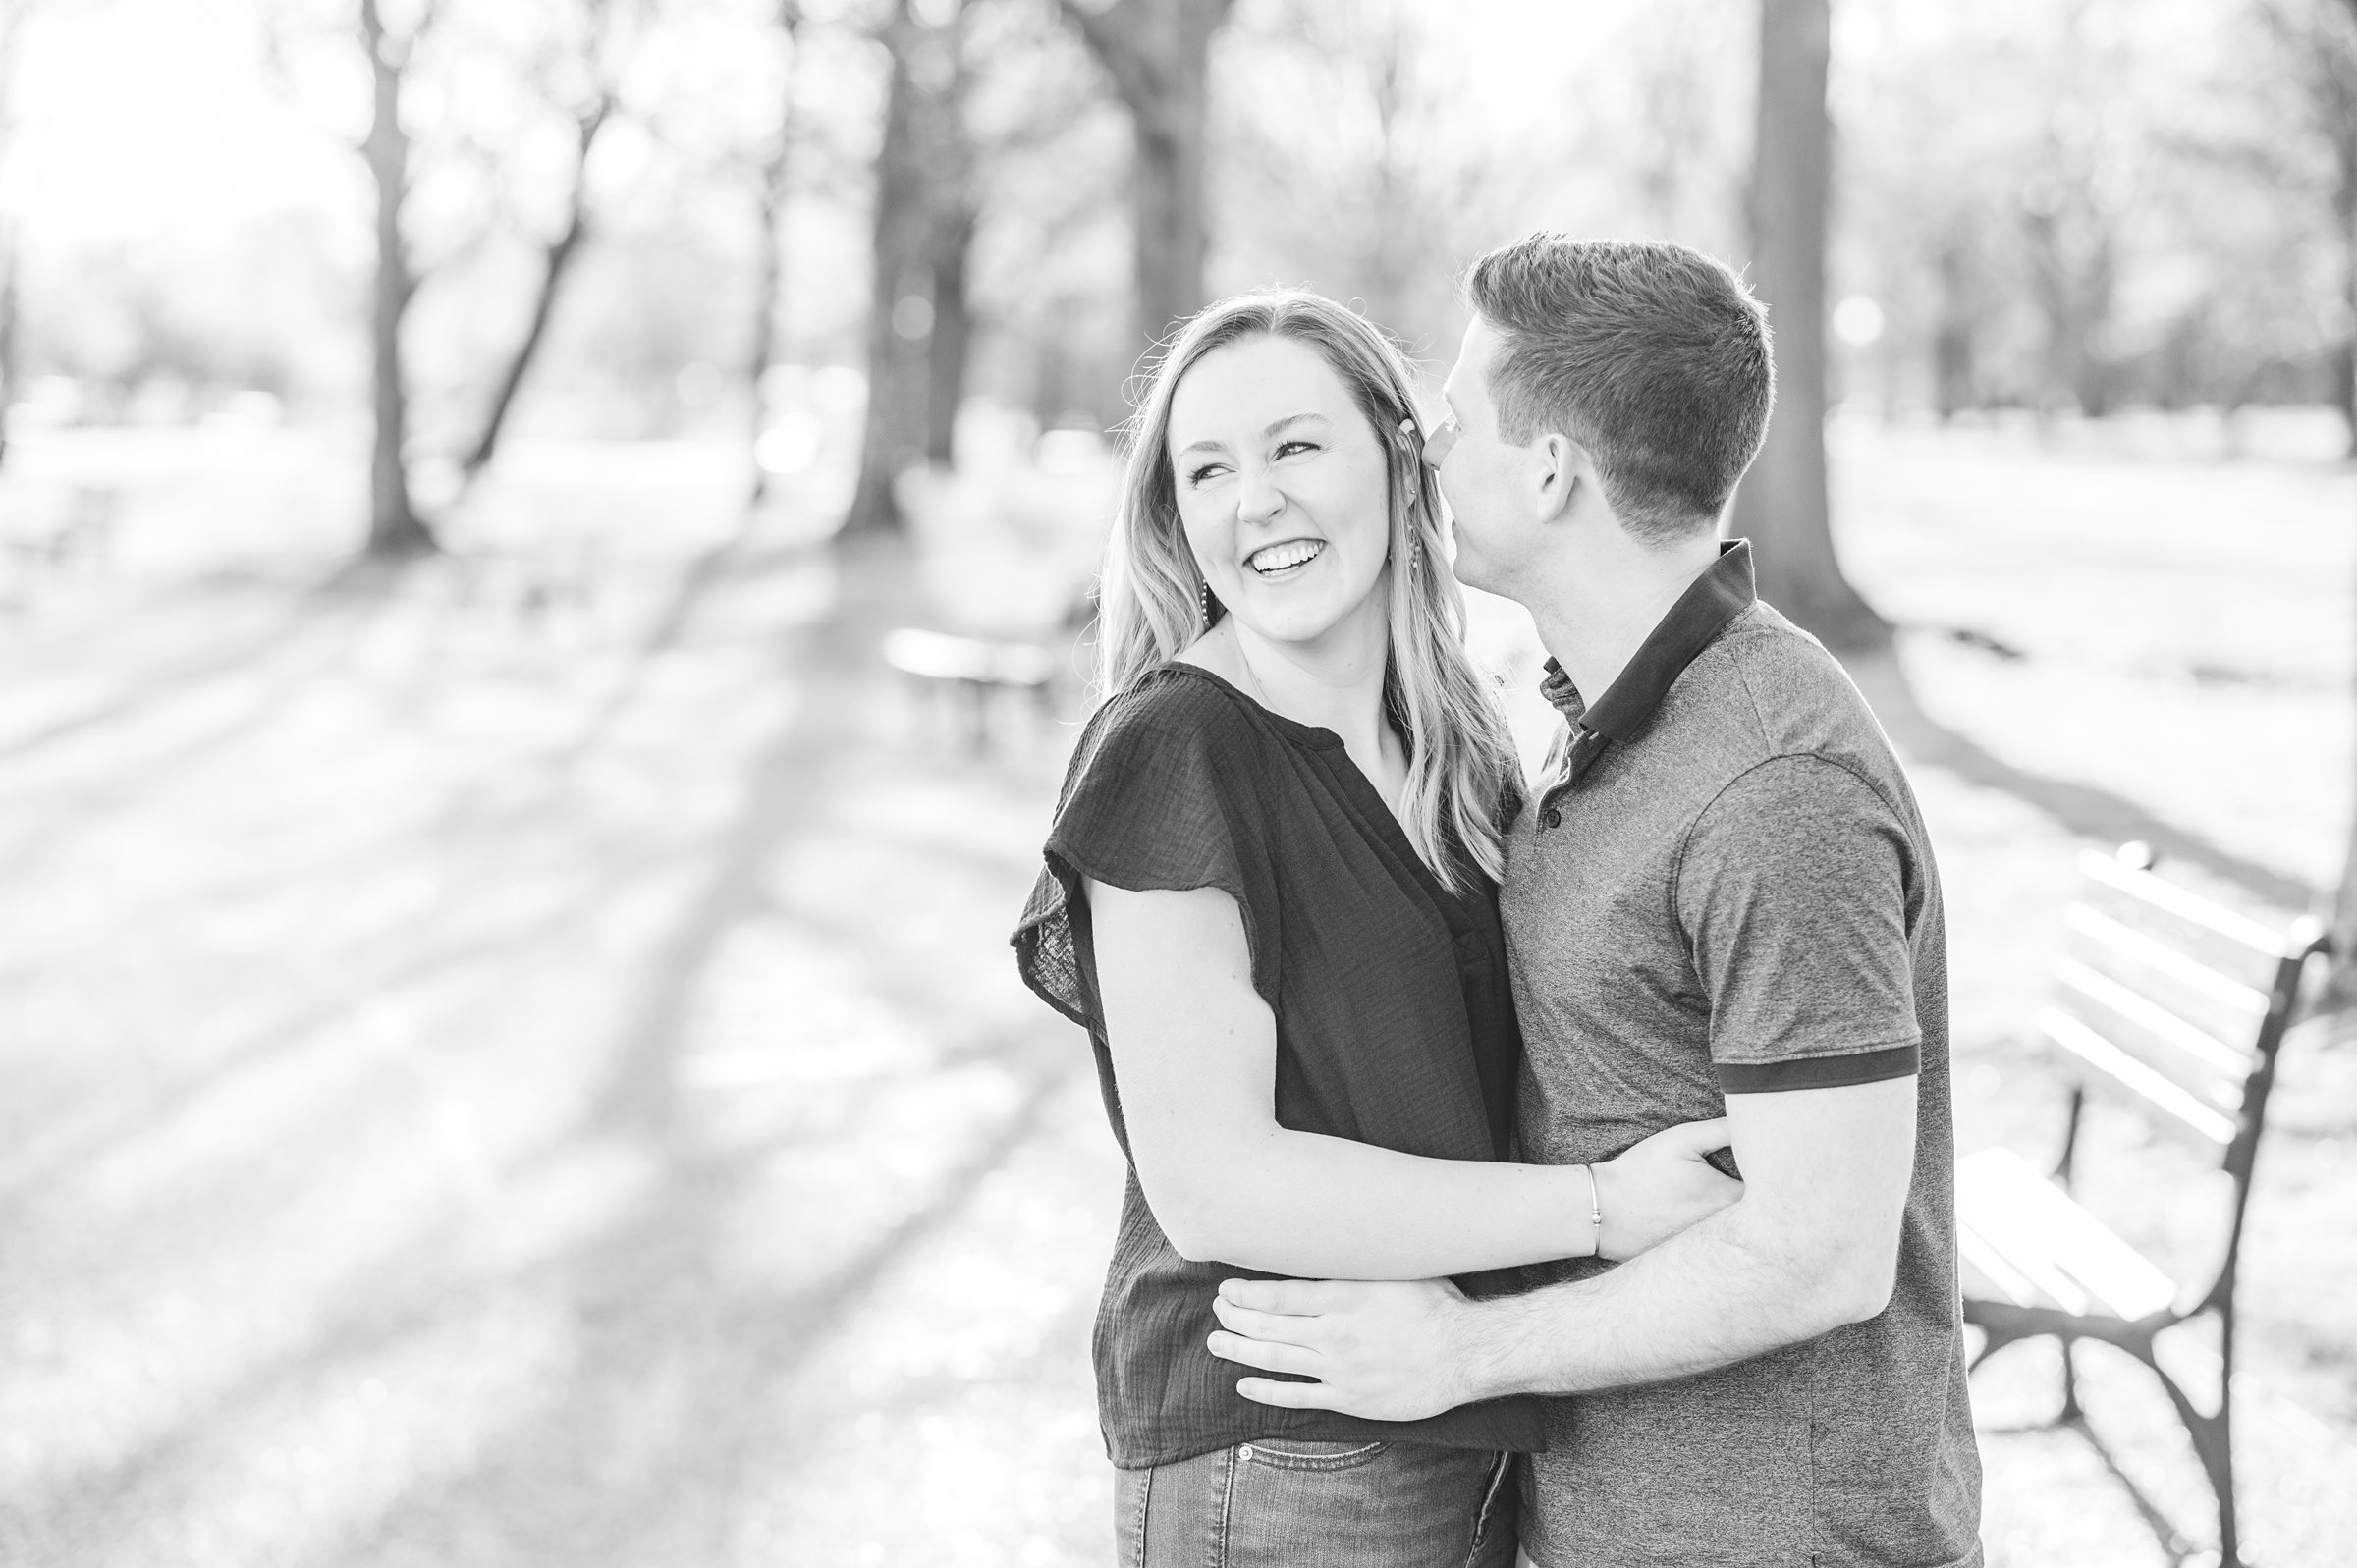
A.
pixel 1333 683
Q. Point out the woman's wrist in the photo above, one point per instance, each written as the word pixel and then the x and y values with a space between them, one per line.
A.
pixel 1612 1199
pixel 1592 1228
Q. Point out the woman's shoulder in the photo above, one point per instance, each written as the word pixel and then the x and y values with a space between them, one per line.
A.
pixel 1175 704
pixel 1175 735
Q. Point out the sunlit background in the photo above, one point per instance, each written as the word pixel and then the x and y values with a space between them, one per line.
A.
pixel 513 783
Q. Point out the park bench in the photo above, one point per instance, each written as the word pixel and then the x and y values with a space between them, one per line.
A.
pixel 2175 1006
pixel 974 671
pixel 79 536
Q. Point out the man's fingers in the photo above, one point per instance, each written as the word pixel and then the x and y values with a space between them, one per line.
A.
pixel 1261 1353
pixel 1293 1395
pixel 1276 1326
pixel 1299 1298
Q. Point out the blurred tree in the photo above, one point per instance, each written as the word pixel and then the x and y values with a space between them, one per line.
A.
pixel 13 15
pixel 1348 173
pixel 1782 503
pixel 923 174
pixel 980 93
pixel 2316 46
pixel 774 173
pixel 395 529
pixel 579 76
pixel 1048 278
pixel 1158 53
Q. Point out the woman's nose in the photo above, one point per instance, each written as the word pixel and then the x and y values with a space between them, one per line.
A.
pixel 1259 499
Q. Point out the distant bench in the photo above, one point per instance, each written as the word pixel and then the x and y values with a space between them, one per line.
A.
pixel 973 672
pixel 2175 1006
pixel 80 536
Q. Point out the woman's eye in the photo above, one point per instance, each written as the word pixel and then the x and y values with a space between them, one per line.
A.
pixel 1296 446
pixel 1197 475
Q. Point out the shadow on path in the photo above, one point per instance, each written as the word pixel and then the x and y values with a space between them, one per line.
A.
pixel 2088 810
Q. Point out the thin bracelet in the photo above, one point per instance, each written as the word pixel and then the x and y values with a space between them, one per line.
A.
pixel 1595 1209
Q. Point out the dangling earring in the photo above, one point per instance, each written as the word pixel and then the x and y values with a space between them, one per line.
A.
pixel 1205 599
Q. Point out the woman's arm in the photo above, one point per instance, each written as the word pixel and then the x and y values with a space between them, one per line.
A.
pixel 1194 1054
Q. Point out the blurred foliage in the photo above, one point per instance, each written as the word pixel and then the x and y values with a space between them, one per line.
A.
pixel 2056 204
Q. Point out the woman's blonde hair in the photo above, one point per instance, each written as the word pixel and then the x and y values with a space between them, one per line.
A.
pixel 1459 759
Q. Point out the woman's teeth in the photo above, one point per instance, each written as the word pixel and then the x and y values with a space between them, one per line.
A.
pixel 1281 558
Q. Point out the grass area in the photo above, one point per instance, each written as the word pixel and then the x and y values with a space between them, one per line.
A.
pixel 523 1068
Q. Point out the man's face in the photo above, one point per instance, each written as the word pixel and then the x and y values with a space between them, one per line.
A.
pixel 1485 479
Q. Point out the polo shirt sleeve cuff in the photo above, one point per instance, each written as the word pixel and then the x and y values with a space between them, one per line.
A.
pixel 1820 1073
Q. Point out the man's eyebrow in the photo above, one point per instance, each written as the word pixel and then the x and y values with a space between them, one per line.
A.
pixel 1289 420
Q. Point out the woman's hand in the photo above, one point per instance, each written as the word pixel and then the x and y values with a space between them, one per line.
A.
pixel 1662 1186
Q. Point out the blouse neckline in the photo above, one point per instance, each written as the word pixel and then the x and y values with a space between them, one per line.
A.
pixel 1376 818
pixel 1317 735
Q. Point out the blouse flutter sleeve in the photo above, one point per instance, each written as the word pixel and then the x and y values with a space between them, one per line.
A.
pixel 1160 795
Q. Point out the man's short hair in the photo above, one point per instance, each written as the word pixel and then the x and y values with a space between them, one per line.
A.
pixel 1653 356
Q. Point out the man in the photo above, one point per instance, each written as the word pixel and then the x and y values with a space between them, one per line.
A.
pixel 1720 901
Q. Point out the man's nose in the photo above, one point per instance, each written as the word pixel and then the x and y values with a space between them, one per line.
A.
pixel 1436 445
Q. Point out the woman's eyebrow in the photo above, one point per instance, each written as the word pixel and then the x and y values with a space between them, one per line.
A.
pixel 1207 443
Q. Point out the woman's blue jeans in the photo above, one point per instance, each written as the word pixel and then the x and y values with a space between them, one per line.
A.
pixel 1278 1504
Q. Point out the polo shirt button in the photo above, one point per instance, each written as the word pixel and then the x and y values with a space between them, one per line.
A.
pixel 1553 819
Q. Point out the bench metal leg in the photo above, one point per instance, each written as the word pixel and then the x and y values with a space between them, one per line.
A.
pixel 2213 1434
pixel 979 716
pixel 2212 1431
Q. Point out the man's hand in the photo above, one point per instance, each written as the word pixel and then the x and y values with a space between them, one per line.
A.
pixel 1389 1350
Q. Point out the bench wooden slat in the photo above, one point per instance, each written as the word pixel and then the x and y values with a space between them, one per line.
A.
pixel 2027 1232
pixel 1985 1274
pixel 2236 946
pixel 938 656
pixel 2197 1061
pixel 2217 1005
pixel 2112 1071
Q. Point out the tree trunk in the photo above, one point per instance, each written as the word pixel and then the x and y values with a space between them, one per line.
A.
pixel 394 528
pixel 953 333
pixel 12 25
pixel 2345 357
pixel 11 260
pixel 768 272
pixel 558 261
pixel 1172 236
pixel 1158 53
pixel 1781 505
pixel 895 433
pixel 1952 338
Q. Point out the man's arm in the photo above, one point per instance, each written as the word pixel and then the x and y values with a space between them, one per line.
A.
pixel 1812 1244
pixel 1792 890
pixel 1194 1055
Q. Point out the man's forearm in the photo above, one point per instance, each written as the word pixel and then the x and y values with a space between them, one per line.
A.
pixel 1723 1292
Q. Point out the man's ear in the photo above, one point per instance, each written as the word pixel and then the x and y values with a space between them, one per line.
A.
pixel 1563 465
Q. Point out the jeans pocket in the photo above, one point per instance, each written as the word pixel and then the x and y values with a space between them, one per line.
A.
pixel 1285 1453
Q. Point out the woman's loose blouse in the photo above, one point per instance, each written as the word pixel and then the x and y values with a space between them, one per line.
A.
pixel 1394 1023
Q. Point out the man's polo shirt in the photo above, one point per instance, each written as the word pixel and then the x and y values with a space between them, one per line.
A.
pixel 1724 886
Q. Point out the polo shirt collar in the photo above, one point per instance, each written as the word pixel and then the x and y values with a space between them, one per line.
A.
pixel 1723 591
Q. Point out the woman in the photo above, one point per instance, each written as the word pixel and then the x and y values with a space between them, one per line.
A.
pixel 1269 896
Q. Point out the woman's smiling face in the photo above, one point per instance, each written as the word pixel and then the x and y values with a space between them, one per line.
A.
pixel 1282 488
